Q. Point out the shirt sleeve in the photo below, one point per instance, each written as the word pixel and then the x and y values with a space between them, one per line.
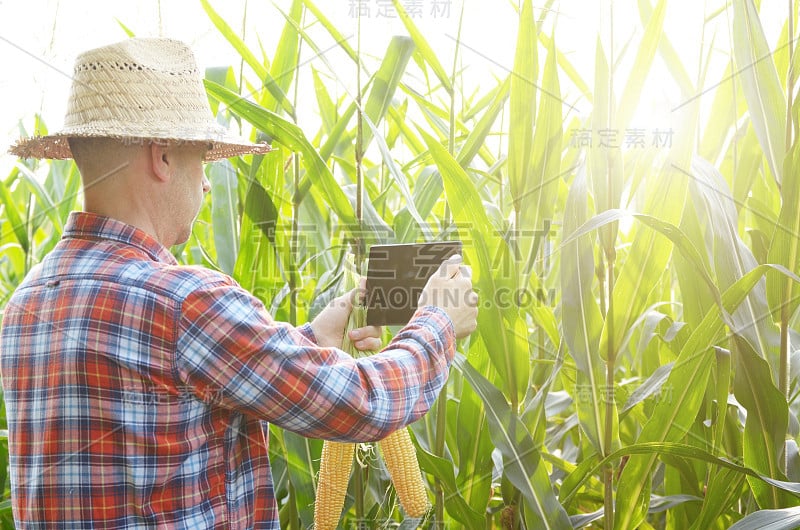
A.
pixel 231 348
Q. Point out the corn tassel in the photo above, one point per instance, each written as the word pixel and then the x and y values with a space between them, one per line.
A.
pixel 401 461
pixel 334 475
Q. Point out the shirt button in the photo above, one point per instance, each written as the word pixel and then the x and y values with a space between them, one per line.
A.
pixel 53 283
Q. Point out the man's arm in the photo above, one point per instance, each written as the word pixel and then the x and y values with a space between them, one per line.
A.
pixel 230 347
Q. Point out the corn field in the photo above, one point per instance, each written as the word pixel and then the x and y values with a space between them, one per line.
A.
pixel 637 358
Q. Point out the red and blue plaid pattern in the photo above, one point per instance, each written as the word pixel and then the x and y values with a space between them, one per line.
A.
pixel 138 391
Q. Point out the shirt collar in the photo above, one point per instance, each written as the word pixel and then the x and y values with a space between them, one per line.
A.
pixel 85 225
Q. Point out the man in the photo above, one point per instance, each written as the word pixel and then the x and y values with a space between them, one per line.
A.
pixel 138 391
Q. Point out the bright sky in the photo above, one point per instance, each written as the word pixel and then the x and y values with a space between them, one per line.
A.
pixel 39 40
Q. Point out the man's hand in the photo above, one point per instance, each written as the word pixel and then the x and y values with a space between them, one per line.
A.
pixel 329 325
pixel 450 288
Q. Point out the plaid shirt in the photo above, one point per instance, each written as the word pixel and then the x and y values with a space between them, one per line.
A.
pixel 138 391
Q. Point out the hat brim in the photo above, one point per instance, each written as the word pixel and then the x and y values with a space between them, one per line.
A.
pixel 56 146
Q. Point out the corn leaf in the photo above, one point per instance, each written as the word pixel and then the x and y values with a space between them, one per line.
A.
pixel 642 269
pixel 46 206
pixel 224 213
pixel 442 469
pixel 668 53
pixel 671 419
pixel 327 108
pixel 385 82
pixel 287 56
pixel 591 465
pixel 717 213
pixel 499 323
pixel 302 464
pixel 477 136
pixel 785 245
pixel 424 48
pixel 762 88
pixel 522 460
pixel 605 161
pixel 241 48
pixel 567 68
pixel 472 441
pixel 765 429
pixel 522 104
pixel 645 54
pixel 724 489
pixel 786 519
pixel 581 318
pixel 399 179
pixel 331 29
pixel 14 223
pixel 291 136
pixel 258 227
pixel 543 182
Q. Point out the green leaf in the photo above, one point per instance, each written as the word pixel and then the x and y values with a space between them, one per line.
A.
pixel 291 136
pixel 224 212
pixel 385 82
pixel 399 179
pixel 522 108
pixel 786 519
pixel 339 135
pixel 593 464
pixel 581 319
pixel 125 28
pixel 717 215
pixel 568 69
pixel 522 461
pixel 645 54
pixel 443 470
pixel 424 48
pixel 286 59
pixel 782 294
pixel 258 227
pixel 499 322
pixel 687 381
pixel 478 134
pixel 762 88
pixel 724 489
pixel 605 161
pixel 472 442
pixel 766 424
pixel 17 225
pixel 331 29
pixel 302 463
pixel 668 53
pixel 543 181
pixel 642 269
pixel 241 48
pixel 668 230
pixel 43 199
pixel 327 108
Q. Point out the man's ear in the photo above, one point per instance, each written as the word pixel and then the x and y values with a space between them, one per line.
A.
pixel 161 161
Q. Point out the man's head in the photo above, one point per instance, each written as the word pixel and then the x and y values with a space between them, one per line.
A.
pixel 156 182
pixel 139 126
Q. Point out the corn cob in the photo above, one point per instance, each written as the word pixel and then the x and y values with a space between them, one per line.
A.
pixel 401 461
pixel 399 455
pixel 337 457
pixel 334 474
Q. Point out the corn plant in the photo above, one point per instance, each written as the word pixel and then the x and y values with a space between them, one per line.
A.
pixel 633 365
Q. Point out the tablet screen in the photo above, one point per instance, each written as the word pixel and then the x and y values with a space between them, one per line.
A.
pixel 396 275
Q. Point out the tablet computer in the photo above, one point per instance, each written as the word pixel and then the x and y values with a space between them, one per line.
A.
pixel 396 275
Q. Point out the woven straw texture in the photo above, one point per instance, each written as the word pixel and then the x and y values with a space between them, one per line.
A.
pixel 135 90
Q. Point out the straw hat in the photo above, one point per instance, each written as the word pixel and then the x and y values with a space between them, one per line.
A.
pixel 134 90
